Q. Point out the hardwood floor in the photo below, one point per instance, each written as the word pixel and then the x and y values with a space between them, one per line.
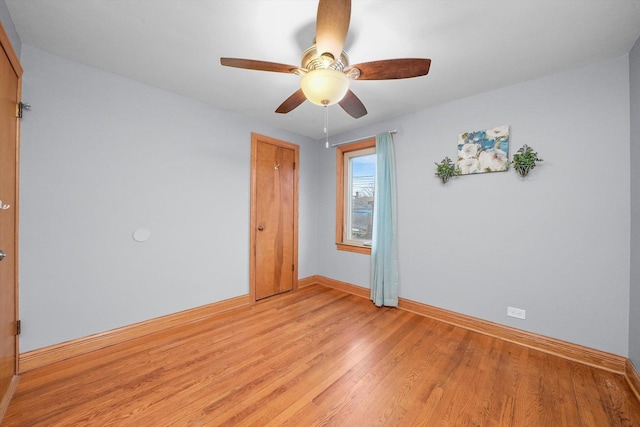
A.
pixel 319 356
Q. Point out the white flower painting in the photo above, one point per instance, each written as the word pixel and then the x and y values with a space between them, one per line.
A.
pixel 483 151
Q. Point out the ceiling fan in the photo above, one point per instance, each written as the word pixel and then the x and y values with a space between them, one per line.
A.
pixel 325 67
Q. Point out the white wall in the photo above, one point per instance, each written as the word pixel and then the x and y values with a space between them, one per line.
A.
pixel 555 244
pixel 102 156
pixel 634 296
pixel 9 28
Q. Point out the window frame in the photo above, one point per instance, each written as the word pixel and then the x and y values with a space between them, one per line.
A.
pixel 341 150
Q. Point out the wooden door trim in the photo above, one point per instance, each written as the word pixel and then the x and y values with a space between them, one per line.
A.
pixel 255 138
pixel 7 47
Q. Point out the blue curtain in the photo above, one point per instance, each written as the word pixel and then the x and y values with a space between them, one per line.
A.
pixel 384 251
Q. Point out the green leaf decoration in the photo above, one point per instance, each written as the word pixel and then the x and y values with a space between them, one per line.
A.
pixel 524 160
pixel 446 169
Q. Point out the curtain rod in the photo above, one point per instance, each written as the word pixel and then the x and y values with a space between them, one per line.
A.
pixel 360 139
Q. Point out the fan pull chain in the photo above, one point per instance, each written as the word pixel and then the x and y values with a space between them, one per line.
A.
pixel 326 124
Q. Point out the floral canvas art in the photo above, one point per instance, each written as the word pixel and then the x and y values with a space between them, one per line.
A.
pixel 483 151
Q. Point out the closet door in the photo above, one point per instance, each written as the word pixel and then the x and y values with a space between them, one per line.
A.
pixel 274 216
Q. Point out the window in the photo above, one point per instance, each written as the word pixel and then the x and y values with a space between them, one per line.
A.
pixel 355 173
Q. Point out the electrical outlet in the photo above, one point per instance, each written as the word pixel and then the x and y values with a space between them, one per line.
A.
pixel 516 312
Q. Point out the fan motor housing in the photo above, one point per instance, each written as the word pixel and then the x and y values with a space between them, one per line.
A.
pixel 312 60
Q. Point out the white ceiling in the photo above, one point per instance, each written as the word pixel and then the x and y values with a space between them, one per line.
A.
pixel 475 46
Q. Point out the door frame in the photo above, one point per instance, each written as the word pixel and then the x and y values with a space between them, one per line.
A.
pixel 7 47
pixel 255 140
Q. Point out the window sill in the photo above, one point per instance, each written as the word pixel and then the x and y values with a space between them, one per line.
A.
pixel 353 248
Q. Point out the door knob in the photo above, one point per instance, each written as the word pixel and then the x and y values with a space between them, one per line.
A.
pixel 260 227
pixel 2 255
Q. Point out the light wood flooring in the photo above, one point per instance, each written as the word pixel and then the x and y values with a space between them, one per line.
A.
pixel 319 356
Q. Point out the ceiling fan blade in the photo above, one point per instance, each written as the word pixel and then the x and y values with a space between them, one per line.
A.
pixel 251 64
pixel 332 25
pixel 389 69
pixel 291 102
pixel 352 105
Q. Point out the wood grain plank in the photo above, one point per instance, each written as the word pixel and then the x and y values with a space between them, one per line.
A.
pixel 633 378
pixel 582 354
pixel 55 353
pixel 320 356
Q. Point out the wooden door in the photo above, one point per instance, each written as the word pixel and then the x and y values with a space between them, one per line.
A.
pixel 274 216
pixel 10 74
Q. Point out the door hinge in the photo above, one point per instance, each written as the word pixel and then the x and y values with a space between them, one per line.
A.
pixel 294 165
pixel 21 107
pixel 18 327
pixel 293 267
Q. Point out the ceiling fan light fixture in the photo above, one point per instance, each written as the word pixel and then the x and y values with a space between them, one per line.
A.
pixel 324 68
pixel 324 86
